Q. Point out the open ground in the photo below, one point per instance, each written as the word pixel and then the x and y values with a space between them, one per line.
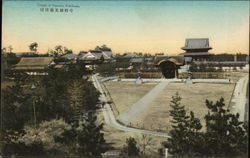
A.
pixel 156 114
pixel 125 94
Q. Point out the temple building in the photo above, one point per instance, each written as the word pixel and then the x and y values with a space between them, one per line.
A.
pixel 197 49
pixel 34 65
pixel 169 65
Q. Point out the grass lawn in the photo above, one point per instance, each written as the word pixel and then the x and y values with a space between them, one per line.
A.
pixel 156 115
pixel 125 94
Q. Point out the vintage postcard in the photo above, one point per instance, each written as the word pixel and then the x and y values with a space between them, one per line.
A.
pixel 124 78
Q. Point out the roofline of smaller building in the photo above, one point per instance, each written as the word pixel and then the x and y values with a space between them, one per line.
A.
pixel 188 48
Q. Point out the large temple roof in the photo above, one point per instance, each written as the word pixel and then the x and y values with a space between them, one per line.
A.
pixel 196 43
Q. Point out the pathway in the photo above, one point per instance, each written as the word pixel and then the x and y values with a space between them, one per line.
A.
pixel 110 119
pixel 239 101
pixel 140 105
pixel 109 116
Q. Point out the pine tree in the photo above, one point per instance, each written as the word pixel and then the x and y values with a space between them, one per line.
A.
pixel 90 139
pixel 178 141
pixel 75 96
pixel 194 134
pixel 185 133
pixel 225 134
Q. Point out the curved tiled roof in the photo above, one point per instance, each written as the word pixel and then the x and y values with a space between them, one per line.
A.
pixel 178 60
pixel 197 43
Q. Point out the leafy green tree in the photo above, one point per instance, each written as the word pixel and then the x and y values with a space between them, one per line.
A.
pixel 130 149
pixel 228 57
pixel 97 48
pixel 12 59
pixel 145 142
pixel 16 108
pixel 7 62
pixel 42 139
pixel 59 50
pixel 202 67
pixel 104 47
pixel 16 113
pixel 193 67
pixel 20 149
pixel 66 94
pixel 85 136
pixel 33 47
pixel 107 69
pixel 55 96
pixel 68 51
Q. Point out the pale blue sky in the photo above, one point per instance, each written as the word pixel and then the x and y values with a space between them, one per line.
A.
pixel 142 26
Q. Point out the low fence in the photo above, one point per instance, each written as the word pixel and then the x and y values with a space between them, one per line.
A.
pixel 142 74
pixel 219 75
pixel 195 75
pixel 111 101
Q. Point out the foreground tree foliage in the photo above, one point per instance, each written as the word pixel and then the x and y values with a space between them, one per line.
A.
pixel 15 103
pixel 130 149
pixel 60 128
pixel 145 142
pixel 184 128
pixel 43 138
pixel 224 135
pixel 85 137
